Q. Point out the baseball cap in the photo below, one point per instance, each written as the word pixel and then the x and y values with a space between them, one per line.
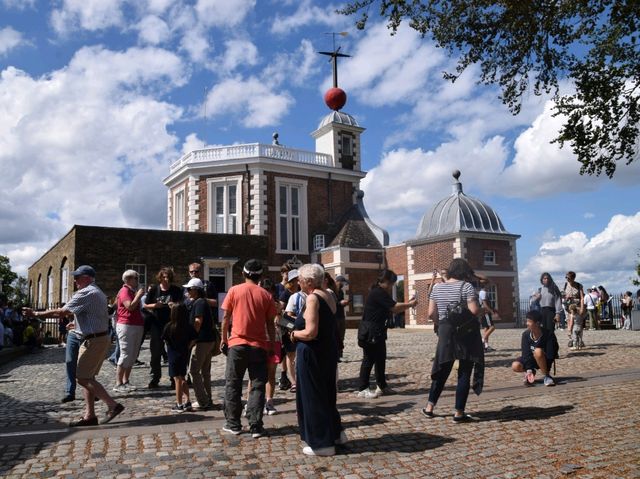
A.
pixel 342 279
pixel 252 267
pixel 293 274
pixel 85 270
pixel 194 283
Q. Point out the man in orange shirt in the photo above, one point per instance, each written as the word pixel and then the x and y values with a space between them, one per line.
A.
pixel 247 338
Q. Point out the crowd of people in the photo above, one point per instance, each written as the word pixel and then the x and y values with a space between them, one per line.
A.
pixel 298 324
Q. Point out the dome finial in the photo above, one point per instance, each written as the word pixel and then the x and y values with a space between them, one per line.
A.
pixel 457 186
pixel 456 174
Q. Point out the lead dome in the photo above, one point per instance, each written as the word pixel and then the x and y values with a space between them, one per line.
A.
pixel 459 213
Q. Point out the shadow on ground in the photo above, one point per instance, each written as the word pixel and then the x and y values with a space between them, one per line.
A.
pixel 402 442
pixel 517 413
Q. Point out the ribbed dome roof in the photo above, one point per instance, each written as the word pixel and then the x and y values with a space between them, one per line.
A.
pixel 338 117
pixel 459 212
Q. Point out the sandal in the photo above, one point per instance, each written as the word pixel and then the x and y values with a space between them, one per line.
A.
pixel 293 388
pixel 113 413
pixel 92 421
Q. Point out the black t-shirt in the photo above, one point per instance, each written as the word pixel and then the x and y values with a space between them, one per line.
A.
pixel 377 310
pixel 545 342
pixel 200 308
pixel 209 293
pixel 173 295
pixel 179 340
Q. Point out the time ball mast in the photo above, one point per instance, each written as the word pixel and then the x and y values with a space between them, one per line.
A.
pixel 335 98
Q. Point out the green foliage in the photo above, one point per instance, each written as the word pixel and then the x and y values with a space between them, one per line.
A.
pixel 14 287
pixel 636 281
pixel 538 43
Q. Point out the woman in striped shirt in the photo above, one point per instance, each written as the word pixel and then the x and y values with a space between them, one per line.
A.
pixel 467 349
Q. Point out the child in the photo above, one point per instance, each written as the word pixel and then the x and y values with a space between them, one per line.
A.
pixel 575 326
pixel 179 336
pixel 539 350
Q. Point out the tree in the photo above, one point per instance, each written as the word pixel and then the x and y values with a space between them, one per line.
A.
pixel 636 280
pixel 538 43
pixel 7 277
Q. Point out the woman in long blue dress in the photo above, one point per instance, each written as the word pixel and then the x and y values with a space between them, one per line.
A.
pixel 316 363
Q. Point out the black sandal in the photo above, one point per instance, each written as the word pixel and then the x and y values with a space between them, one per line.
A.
pixel 92 421
pixel 113 413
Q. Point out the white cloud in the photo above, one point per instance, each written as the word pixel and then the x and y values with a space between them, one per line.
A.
pixel 307 14
pixel 588 216
pixel 295 68
pixel 87 14
pixel 19 4
pixel 196 43
pixel 223 13
pixel 153 30
pixel 10 39
pixel 86 144
pixel 192 142
pixel 239 52
pixel 606 258
pixel 249 99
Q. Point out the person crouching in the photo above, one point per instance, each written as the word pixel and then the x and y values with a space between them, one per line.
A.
pixel 538 351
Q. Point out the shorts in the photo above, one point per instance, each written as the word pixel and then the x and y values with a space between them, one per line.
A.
pixel 130 339
pixel 178 363
pixel 276 357
pixel 91 356
pixel 486 321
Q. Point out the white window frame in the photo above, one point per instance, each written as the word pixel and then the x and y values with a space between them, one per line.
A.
pixel 141 269
pixel 227 265
pixel 492 295
pixel 39 292
pixel 50 288
pixel 318 242
pixel 347 144
pixel 489 256
pixel 302 215
pixel 64 283
pixel 179 209
pixel 224 182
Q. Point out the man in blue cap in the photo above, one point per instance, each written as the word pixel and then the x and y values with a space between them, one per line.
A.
pixel 91 325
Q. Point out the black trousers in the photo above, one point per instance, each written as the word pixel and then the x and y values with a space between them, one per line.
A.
pixel 373 355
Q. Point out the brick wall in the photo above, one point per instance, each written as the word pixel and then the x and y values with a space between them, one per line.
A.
pixel 365 257
pixel 475 254
pixel 396 259
pixel 108 250
pixel 430 256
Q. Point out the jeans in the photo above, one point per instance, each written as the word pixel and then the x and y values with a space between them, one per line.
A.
pixel 465 368
pixel 115 355
pixel 156 346
pixel 373 355
pixel 239 359
pixel 200 370
pixel 71 361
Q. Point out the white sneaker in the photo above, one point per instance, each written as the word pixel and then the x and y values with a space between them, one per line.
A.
pixel 321 451
pixel 269 409
pixel 120 389
pixel 129 386
pixel 384 392
pixel 245 412
pixel 342 439
pixel 368 394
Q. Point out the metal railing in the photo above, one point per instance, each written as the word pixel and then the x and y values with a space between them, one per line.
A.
pixel 613 311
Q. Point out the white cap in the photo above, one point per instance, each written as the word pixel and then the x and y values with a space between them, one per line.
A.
pixel 194 283
pixel 293 274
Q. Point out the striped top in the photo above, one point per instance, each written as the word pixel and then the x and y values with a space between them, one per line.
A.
pixel 89 305
pixel 446 293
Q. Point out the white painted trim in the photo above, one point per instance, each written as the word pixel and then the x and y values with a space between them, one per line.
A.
pixel 303 209
pixel 225 181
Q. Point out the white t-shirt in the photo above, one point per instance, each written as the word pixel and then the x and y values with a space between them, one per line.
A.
pixel 296 303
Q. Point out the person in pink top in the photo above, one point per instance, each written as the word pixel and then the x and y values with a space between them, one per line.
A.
pixel 248 312
pixel 129 328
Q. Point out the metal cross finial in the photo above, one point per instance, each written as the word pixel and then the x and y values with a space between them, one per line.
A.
pixel 334 56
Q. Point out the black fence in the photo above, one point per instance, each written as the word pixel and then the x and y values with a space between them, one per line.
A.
pixel 613 311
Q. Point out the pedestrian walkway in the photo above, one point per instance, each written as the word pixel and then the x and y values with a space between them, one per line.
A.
pixel 587 426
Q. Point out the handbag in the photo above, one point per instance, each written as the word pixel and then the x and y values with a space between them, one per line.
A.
pixel 462 320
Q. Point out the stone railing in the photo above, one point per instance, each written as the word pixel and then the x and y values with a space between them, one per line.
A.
pixel 252 150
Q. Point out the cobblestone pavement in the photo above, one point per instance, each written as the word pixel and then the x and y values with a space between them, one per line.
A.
pixel 586 426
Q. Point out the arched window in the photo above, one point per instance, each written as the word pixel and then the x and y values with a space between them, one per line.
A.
pixel 64 281
pixel 39 294
pixel 50 287
pixel 31 298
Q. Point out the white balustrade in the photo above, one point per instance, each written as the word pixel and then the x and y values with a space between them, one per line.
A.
pixel 252 150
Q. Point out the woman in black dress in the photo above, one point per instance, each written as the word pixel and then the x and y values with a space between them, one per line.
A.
pixel 316 364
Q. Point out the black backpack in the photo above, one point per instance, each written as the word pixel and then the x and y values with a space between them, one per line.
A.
pixel 464 322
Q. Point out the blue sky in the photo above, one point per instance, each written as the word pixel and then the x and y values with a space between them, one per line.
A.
pixel 98 97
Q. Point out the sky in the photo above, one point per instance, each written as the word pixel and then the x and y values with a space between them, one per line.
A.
pixel 99 97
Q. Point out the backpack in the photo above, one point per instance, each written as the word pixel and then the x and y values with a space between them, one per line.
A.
pixel 461 318
pixel 534 304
